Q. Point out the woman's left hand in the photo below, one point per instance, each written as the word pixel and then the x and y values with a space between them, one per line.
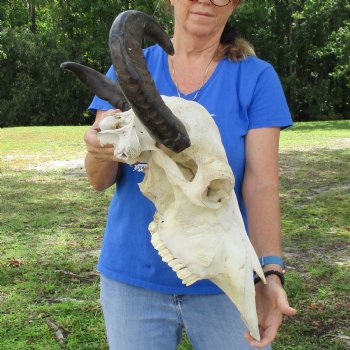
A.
pixel 271 304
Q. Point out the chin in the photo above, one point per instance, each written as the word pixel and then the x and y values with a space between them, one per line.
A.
pixel 200 30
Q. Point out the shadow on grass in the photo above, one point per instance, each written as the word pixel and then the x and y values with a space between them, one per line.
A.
pixel 315 198
pixel 314 171
pixel 324 125
pixel 51 228
pixel 49 224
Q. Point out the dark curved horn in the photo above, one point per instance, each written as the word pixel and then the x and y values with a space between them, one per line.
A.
pixel 99 85
pixel 125 42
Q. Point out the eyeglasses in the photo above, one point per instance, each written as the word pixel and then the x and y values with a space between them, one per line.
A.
pixel 220 3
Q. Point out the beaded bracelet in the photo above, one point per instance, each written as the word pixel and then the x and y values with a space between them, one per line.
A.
pixel 271 272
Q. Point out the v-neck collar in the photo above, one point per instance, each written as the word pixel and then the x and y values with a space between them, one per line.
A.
pixel 171 83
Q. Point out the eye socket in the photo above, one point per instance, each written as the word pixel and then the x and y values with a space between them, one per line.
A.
pixel 188 169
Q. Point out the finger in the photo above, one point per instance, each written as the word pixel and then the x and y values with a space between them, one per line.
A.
pixel 105 157
pixel 107 146
pixel 91 139
pixel 288 310
pixel 252 342
pixel 102 114
pixel 249 338
pixel 106 151
pixel 284 306
pixel 267 337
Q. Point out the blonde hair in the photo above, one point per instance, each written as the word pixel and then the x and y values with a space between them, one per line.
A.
pixel 234 47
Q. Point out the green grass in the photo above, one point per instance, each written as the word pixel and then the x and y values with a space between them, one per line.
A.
pixel 51 226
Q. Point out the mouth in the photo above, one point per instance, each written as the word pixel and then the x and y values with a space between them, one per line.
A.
pixel 200 13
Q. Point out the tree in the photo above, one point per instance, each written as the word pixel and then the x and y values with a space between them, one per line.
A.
pixel 307 41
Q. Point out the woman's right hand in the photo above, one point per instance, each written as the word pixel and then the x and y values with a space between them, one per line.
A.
pixel 93 145
pixel 100 163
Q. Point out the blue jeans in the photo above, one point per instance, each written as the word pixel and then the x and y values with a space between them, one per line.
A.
pixel 140 319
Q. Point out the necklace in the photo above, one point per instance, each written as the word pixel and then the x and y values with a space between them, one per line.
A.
pixel 204 77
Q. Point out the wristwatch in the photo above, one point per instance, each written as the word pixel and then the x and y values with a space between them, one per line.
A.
pixel 272 259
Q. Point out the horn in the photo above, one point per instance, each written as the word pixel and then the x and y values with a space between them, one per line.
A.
pixel 99 85
pixel 125 42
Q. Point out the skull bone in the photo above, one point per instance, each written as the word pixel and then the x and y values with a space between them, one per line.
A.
pixel 197 228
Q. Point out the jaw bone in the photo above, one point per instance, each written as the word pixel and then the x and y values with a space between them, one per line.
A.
pixel 197 228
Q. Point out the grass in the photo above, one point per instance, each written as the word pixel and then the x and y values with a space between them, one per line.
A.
pixel 51 226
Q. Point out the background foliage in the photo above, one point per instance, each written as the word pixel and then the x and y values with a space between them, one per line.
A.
pixel 307 41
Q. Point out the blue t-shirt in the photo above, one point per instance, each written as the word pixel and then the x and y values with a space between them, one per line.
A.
pixel 240 95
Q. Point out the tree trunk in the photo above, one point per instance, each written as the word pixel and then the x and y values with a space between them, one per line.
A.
pixel 32 15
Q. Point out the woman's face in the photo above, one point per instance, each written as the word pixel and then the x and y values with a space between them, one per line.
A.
pixel 201 17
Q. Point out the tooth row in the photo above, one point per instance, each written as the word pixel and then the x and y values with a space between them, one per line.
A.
pixel 157 242
pixel 186 276
pixel 190 280
pixel 181 270
pixel 176 265
pixel 166 255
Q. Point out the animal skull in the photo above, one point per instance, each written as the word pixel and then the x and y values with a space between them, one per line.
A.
pixel 197 228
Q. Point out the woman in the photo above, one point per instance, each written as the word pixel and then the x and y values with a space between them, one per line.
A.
pixel 144 304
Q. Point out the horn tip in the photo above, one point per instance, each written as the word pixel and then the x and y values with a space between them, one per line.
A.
pixel 67 65
pixel 64 65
